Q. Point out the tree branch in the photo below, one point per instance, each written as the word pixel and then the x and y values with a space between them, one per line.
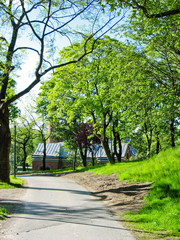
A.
pixel 154 15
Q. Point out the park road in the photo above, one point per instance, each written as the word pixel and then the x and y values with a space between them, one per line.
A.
pixel 54 208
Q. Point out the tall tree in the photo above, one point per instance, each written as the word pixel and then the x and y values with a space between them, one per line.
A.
pixel 88 90
pixel 158 39
pixel 42 24
pixel 24 139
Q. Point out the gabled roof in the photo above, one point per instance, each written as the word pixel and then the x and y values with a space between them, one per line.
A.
pixel 100 154
pixel 52 149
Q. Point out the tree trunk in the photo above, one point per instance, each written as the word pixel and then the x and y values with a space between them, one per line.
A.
pixel 117 140
pixel 5 143
pixel 157 143
pixel 74 160
pixel 172 130
pixel 93 160
pixel 24 158
pixel 83 155
pixel 148 138
pixel 107 151
pixel 44 155
pixel 149 149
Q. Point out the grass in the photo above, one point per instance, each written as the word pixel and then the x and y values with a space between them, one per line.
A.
pixel 161 212
pixel 3 213
pixel 53 171
pixel 14 183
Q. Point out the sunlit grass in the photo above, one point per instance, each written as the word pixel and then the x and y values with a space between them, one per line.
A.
pixel 64 170
pixel 3 213
pixel 14 183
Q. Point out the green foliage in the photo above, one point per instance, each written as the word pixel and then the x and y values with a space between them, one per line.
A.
pixel 25 139
pixel 29 160
pixel 119 84
pixel 151 9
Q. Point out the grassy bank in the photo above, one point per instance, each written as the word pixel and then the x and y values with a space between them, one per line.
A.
pixel 162 209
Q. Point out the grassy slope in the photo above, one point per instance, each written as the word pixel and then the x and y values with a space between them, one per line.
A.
pixel 14 183
pixel 162 209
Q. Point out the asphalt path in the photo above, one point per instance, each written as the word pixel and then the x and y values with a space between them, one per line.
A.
pixel 54 208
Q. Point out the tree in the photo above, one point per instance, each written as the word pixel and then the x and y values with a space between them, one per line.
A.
pixel 158 40
pixel 41 24
pixel 41 127
pixel 88 91
pixel 124 92
pixel 86 140
pixel 149 8
pixel 24 139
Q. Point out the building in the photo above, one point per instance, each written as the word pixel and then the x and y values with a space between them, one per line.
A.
pixel 55 156
pixel 127 152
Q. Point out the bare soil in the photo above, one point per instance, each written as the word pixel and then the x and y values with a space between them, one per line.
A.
pixel 119 196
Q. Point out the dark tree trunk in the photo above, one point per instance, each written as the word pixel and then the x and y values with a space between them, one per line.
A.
pixel 117 140
pixel 84 161
pixel 107 150
pixel 93 160
pixel 74 160
pixel 44 155
pixel 24 158
pixel 157 143
pixel 83 155
pixel 149 139
pixel 172 131
pixel 5 143
pixel 149 149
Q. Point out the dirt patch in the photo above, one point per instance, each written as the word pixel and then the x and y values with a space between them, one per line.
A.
pixel 119 196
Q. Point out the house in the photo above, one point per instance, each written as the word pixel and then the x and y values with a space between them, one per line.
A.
pixel 55 156
pixel 127 152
